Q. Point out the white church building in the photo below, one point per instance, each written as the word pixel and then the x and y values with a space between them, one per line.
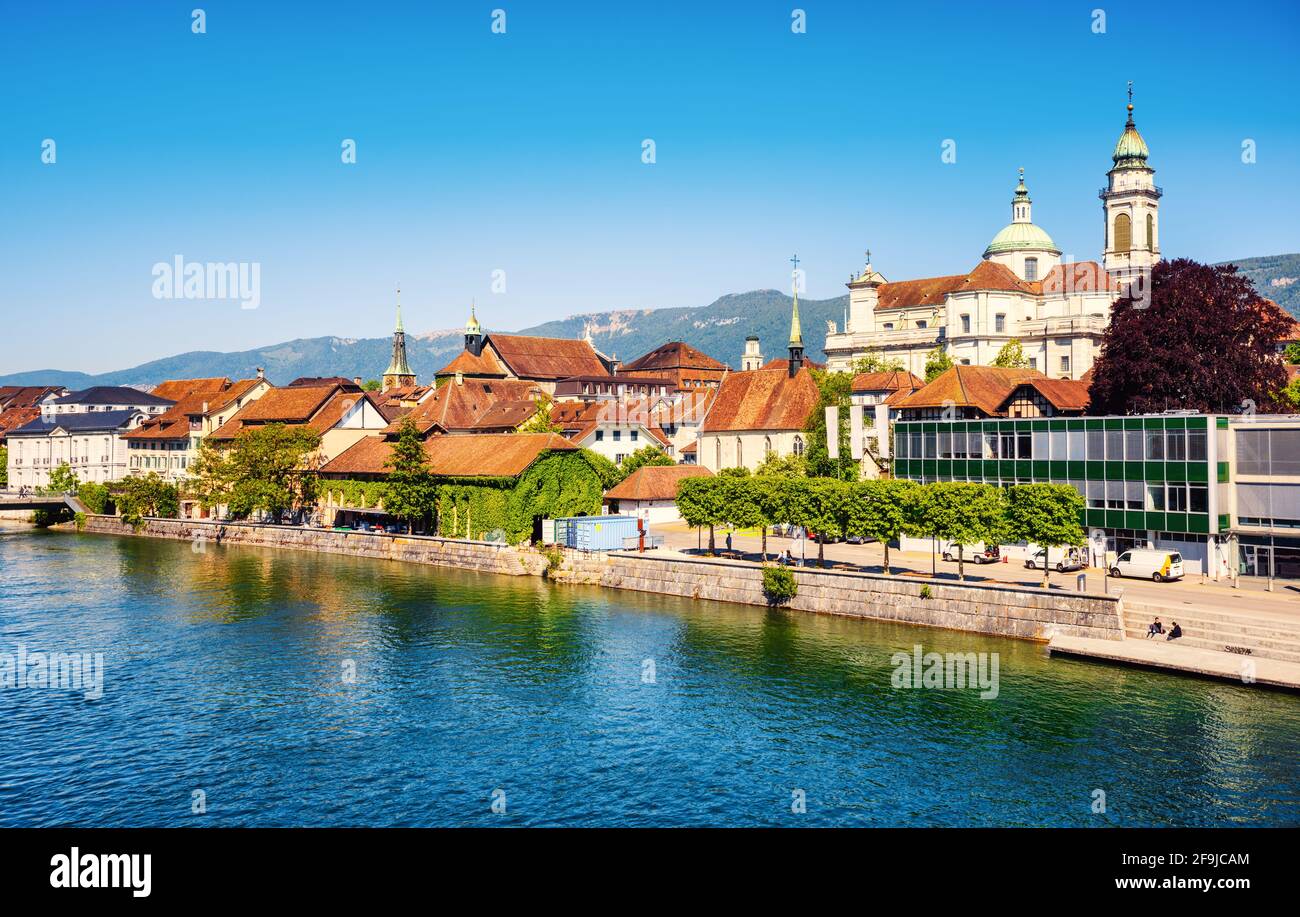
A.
pixel 1020 290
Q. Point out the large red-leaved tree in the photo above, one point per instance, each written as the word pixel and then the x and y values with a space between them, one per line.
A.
pixel 1206 341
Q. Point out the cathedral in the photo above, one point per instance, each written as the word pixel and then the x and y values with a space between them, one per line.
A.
pixel 1020 290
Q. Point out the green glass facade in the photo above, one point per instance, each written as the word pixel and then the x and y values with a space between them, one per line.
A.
pixel 1154 473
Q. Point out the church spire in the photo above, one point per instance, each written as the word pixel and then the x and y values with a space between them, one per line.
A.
pixel 399 372
pixel 1020 203
pixel 796 333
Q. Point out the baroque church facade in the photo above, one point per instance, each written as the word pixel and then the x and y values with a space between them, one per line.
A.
pixel 1020 289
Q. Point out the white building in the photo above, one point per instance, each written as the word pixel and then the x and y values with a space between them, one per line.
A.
pixel 90 442
pixel 1021 290
pixel 650 492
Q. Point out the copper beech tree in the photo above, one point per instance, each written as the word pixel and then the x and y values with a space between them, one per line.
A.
pixel 1205 341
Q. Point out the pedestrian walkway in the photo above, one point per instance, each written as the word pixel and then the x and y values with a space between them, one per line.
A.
pixel 1177 656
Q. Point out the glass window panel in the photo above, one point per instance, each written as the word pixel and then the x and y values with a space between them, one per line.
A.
pixel 1176 498
pixel 1024 445
pixel 1096 493
pixel 1198 498
pixel 1175 446
pixel 1155 445
pixel 976 449
pixel 1133 445
pixel 1133 495
pixel 1156 497
pixel 1078 450
pixel 990 445
pixel 1096 445
pixel 945 444
pixel 1041 449
pixel 1060 450
pixel 1115 445
pixel 1114 494
pixel 1284 452
pixel 1196 446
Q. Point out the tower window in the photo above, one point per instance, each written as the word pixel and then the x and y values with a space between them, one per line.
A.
pixel 1031 268
pixel 1000 323
pixel 1151 232
pixel 965 324
pixel 1123 233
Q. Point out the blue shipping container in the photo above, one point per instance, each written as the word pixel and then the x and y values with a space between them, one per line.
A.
pixel 595 533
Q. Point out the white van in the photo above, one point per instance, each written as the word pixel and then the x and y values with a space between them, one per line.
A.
pixel 1149 564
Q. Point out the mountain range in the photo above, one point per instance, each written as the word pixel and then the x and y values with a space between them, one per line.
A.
pixel 719 329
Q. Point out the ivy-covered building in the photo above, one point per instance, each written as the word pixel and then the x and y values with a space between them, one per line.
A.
pixel 486 484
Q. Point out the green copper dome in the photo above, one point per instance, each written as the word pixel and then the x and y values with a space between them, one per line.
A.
pixel 1021 237
pixel 1131 151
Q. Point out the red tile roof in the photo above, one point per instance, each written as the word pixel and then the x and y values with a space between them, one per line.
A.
pixel 546 358
pixel 466 455
pixel 461 408
pixel 1066 395
pixel 1076 277
pixel 483 365
pixel 655 482
pixel 988 388
pixel 890 381
pixel 317 407
pixel 176 389
pixel 13 418
pixel 174 423
pixel 673 355
pixel 25 396
pixel 763 399
pixel 931 291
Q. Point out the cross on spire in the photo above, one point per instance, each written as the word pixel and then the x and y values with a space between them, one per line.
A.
pixel 795 261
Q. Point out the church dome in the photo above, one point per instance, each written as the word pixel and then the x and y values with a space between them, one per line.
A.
pixel 1131 150
pixel 472 326
pixel 1021 237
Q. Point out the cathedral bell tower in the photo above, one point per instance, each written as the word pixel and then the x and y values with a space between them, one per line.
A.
pixel 1131 206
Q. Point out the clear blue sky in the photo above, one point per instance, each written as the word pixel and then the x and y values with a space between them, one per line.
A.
pixel 522 152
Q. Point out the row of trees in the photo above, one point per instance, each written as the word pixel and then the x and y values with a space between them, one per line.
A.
pixel 882 510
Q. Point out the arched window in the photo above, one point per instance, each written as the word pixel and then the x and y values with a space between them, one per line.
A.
pixel 798 445
pixel 767 446
pixel 718 453
pixel 740 453
pixel 1151 232
pixel 1123 233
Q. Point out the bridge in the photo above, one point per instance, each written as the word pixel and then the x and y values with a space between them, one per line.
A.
pixel 31 499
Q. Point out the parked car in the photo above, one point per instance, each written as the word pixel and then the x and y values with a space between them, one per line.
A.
pixel 830 539
pixel 1146 563
pixel 1067 563
pixel 976 553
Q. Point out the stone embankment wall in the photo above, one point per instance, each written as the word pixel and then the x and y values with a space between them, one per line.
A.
pixel 1002 610
pixel 485 556
pixel 1007 611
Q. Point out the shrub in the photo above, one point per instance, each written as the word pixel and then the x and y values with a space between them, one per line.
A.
pixel 779 585
pixel 925 592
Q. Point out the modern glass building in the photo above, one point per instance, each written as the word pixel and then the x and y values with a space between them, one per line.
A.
pixel 1160 479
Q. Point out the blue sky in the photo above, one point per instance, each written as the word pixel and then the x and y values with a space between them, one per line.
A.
pixel 521 152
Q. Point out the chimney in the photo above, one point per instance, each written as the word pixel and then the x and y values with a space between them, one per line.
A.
pixel 356 380
pixel 460 378
pixel 261 373
pixel 205 407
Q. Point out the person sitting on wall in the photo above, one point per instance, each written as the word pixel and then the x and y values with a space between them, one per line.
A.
pixel 1174 632
pixel 1155 628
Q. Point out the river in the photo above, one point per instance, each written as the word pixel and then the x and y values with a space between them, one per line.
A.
pixel 247 686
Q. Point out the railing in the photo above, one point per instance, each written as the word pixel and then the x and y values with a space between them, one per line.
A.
pixel 633 542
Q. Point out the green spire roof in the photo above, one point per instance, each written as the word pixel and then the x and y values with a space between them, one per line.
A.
pixel 1131 150
pixel 398 366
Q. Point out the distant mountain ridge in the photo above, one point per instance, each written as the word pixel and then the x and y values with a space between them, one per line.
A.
pixel 719 329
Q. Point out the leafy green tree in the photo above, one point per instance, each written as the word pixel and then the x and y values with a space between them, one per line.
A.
pixel 372 385
pixel 742 497
pixel 873 362
pixel 822 510
pixel 410 493
pixel 835 389
pixel 937 362
pixel 146 495
pixel 1292 353
pixel 957 512
pixel 269 469
pixel 1046 515
pixel 94 497
pixel 782 466
pixel 701 502
pixel 646 455
pixel 63 479
pixel 1012 355
pixel 4 466
pixel 884 511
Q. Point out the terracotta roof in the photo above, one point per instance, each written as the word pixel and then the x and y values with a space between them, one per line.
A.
pixel 25 396
pixel 982 387
pixel 890 381
pixel 763 399
pixel 319 407
pixel 13 418
pixel 690 448
pixel 467 455
pixel 465 363
pixel 990 275
pixel 655 482
pixel 176 389
pixel 546 358
pixel 318 381
pixel 673 355
pixel 927 291
pixel 1064 394
pixel 454 408
pixel 1076 277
